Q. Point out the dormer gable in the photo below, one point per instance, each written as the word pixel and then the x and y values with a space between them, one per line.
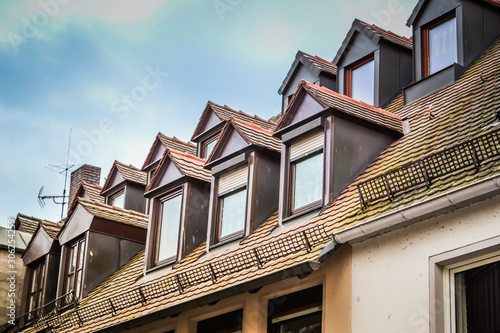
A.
pixel 178 199
pixel 449 35
pixel 309 68
pixel 43 241
pixel 125 187
pixel 213 119
pixel 328 139
pixel 96 241
pixel 160 144
pixel 373 64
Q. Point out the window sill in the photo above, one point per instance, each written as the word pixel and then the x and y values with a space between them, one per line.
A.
pixel 310 210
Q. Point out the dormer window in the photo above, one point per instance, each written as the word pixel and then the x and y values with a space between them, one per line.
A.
pixel 440 44
pixel 306 169
pixel 36 282
pixel 74 267
pixel 117 199
pixel 232 198
pixel 360 80
pixel 168 227
pixel 208 146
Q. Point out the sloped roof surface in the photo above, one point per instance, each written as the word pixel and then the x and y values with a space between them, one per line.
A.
pixel 442 119
pixel 225 113
pixel 131 173
pixel 189 165
pixel 330 99
pixel 169 143
pixel 52 229
pixel 115 214
pixel 314 63
pixel 28 223
pixel 375 33
pixel 93 191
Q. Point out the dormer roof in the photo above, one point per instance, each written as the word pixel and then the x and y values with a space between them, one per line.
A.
pixel 42 241
pixel 420 4
pixel 115 214
pixel 251 134
pixel 167 143
pixel 314 64
pixel 374 33
pixel 344 104
pixel 224 113
pixel 127 173
pixel 27 223
pixel 187 164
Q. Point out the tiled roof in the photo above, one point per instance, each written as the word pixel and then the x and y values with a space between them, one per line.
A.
pixel 128 172
pixel 52 229
pixel 347 105
pixel 225 113
pixel 93 191
pixel 314 63
pixel 375 33
pixel 189 165
pixel 251 133
pixel 29 224
pixel 256 135
pixel 451 115
pixel 169 143
pixel 115 214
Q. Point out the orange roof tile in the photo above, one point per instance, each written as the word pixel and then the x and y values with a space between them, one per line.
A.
pixel 115 214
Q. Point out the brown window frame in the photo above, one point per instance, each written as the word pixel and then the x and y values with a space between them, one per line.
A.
pixel 112 197
pixel 37 294
pixel 425 40
pixel 348 72
pixel 220 199
pixel 206 143
pixel 80 246
pixel 291 193
pixel 157 216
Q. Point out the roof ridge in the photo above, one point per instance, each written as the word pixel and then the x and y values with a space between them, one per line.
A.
pixel 318 58
pixel 348 99
pixel 103 205
pixel 176 139
pixel 188 155
pixel 382 30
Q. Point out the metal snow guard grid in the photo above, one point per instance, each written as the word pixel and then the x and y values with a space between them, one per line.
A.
pixel 303 240
pixel 428 168
pixel 56 306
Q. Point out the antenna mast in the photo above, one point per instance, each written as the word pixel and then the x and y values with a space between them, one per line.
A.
pixel 62 168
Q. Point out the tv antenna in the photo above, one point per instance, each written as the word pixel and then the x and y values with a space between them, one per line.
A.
pixel 60 169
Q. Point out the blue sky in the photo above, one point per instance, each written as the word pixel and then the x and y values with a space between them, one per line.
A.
pixel 117 72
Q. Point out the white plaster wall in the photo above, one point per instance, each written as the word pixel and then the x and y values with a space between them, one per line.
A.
pixel 390 273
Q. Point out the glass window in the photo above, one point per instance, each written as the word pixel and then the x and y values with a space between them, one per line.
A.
pixel 227 323
pixel 37 276
pixel 442 46
pixel 307 173
pixel 232 212
pixel 363 82
pixel 74 271
pixel 296 313
pixel 169 224
pixel 209 147
pixel 477 297
pixel 118 200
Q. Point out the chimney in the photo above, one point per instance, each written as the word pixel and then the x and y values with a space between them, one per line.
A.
pixel 86 173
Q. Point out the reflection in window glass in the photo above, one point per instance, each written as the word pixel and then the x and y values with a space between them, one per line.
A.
pixel 363 82
pixel 232 212
pixel 442 46
pixel 169 227
pixel 307 180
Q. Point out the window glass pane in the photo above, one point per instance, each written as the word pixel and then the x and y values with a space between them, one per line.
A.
pixel 477 299
pixel 310 324
pixel 169 227
pixel 34 280
pixel 363 82
pixel 72 259
pixel 78 283
pixel 82 251
pixel 442 46
pixel 209 147
pixel 232 215
pixel 70 283
pixel 118 201
pixel 308 180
